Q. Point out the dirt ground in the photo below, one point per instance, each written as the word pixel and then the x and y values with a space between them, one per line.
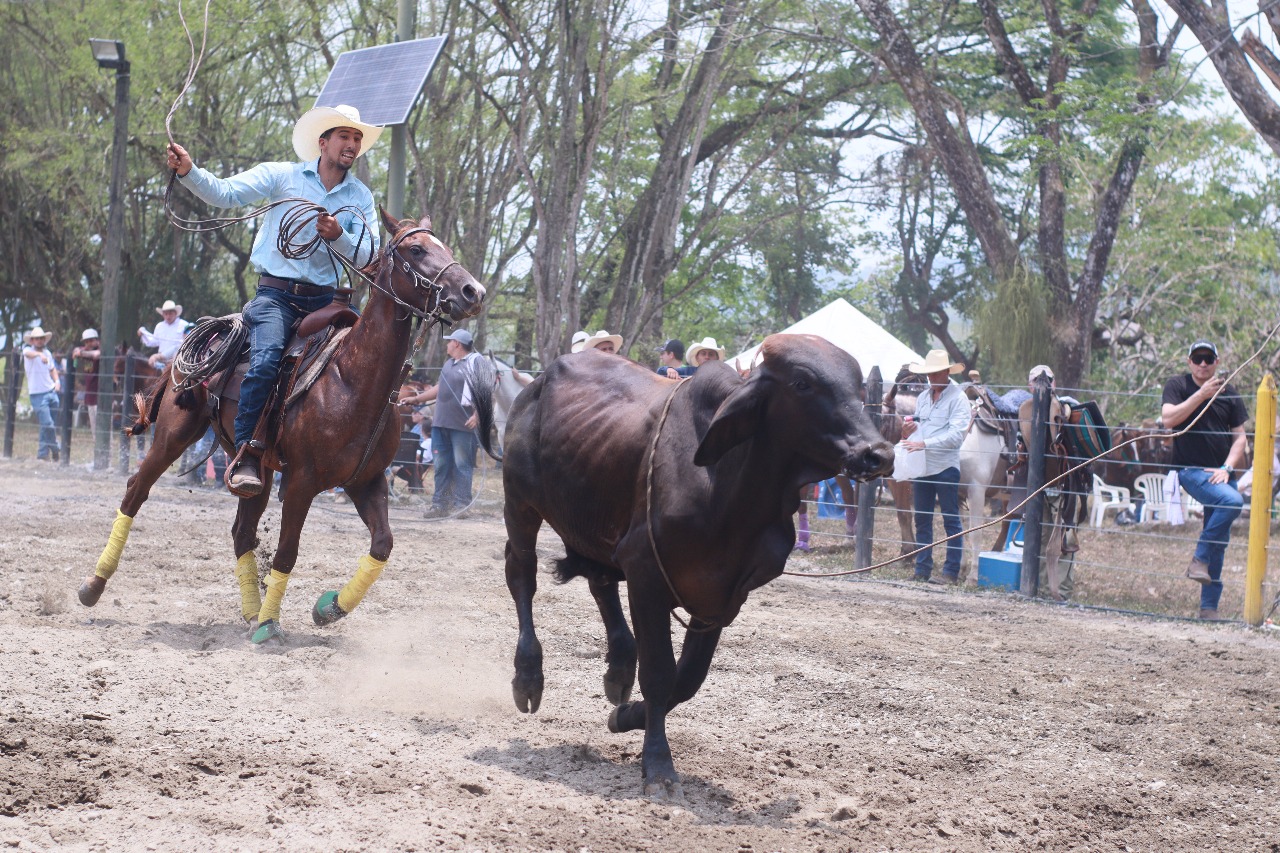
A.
pixel 837 716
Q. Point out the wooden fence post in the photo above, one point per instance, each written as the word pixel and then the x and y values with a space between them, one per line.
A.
pixel 1260 504
pixel 1033 512
pixel 866 492
pixel 13 385
pixel 68 409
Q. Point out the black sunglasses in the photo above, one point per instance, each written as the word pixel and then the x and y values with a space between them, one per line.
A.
pixel 1204 358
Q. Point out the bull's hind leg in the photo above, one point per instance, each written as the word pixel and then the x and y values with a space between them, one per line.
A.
pixel 175 430
pixel 522 582
pixel 370 500
pixel 620 676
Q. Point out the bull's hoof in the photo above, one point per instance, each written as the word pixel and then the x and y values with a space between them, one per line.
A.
pixel 268 633
pixel 527 691
pixel 91 590
pixel 327 611
pixel 666 790
pixel 618 681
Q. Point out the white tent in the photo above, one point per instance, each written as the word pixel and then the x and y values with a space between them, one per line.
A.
pixel 852 331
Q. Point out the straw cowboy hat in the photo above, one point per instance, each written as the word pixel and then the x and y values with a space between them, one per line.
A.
pixel 37 332
pixel 579 338
pixel 306 133
pixel 600 337
pixel 936 360
pixel 691 354
pixel 169 305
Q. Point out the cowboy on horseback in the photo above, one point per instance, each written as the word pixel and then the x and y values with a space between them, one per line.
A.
pixel 327 141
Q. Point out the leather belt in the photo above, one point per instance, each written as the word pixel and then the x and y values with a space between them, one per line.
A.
pixel 295 288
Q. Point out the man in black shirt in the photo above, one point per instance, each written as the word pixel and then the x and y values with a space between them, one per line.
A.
pixel 1207 457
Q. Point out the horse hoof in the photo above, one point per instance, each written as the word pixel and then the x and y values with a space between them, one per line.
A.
pixel 91 590
pixel 528 697
pixel 268 633
pixel 327 611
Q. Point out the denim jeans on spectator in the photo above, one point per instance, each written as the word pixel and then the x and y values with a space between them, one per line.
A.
pixel 944 487
pixel 270 317
pixel 453 453
pixel 46 409
pixel 1222 505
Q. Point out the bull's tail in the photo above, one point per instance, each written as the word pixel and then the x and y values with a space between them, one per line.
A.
pixel 148 404
pixel 483 379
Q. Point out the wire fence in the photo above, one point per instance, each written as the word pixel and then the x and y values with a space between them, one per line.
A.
pixel 1132 554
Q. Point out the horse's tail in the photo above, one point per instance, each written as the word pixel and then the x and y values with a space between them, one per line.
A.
pixel 148 403
pixel 483 378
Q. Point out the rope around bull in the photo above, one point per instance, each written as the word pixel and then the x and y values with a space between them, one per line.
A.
pixel 1014 510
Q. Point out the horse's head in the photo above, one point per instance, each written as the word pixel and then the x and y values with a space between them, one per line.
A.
pixel 424 275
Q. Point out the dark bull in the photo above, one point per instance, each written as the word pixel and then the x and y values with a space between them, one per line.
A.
pixel 684 490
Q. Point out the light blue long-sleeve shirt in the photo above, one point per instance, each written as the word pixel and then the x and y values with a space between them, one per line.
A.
pixel 268 182
pixel 942 425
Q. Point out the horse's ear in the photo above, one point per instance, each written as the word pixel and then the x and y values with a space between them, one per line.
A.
pixel 736 420
pixel 425 221
pixel 389 222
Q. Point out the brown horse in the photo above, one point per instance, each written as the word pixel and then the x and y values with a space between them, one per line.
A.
pixel 342 432
pixel 130 371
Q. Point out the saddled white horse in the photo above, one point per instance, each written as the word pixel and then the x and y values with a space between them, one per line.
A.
pixel 510 383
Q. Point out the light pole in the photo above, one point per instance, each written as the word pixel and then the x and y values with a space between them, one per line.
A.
pixel 110 54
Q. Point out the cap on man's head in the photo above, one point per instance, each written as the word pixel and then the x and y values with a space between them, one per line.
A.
pixel 1202 345
pixel 462 336
pixel 674 347
pixel 89 335
pixel 579 338
pixel 1040 370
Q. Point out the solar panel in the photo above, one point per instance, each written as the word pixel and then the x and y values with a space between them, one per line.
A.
pixel 382 82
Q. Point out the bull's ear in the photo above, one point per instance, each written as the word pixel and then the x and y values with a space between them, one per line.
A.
pixel 737 419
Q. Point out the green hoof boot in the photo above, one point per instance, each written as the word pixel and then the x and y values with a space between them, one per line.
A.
pixel 268 632
pixel 327 611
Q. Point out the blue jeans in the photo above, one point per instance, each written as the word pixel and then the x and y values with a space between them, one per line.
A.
pixel 453 455
pixel 944 487
pixel 1222 505
pixel 270 318
pixel 46 409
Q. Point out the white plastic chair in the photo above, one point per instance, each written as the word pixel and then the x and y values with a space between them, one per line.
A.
pixel 1107 497
pixel 1191 505
pixel 1151 486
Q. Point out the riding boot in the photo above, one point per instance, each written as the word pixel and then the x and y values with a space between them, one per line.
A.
pixel 244 477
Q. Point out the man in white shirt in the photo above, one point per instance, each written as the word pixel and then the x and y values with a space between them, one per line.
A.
pixel 941 421
pixel 43 385
pixel 168 333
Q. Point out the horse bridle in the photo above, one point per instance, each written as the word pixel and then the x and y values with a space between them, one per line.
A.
pixel 421 282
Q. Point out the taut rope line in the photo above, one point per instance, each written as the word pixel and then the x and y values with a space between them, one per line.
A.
pixel 1014 510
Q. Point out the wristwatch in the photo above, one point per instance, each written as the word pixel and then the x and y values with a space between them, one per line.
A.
pixel 1230 471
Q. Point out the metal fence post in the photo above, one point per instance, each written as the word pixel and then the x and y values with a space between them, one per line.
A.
pixel 1033 512
pixel 1260 504
pixel 866 492
pixel 13 385
pixel 68 409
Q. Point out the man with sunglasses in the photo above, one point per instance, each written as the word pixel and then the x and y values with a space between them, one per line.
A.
pixel 1207 458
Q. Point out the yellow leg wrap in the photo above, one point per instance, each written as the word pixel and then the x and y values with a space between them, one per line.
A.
pixel 276 582
pixel 110 559
pixel 247 576
pixel 367 572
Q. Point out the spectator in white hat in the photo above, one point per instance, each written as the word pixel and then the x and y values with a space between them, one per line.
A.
pixel 703 351
pixel 603 341
pixel 43 385
pixel 89 352
pixel 167 335
pixel 327 141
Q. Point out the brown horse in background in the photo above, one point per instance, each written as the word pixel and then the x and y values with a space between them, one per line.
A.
pixel 342 432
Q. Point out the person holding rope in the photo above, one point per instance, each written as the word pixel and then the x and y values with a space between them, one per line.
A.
pixel 1207 458
pixel 453 432
pixel 938 429
pixel 327 140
